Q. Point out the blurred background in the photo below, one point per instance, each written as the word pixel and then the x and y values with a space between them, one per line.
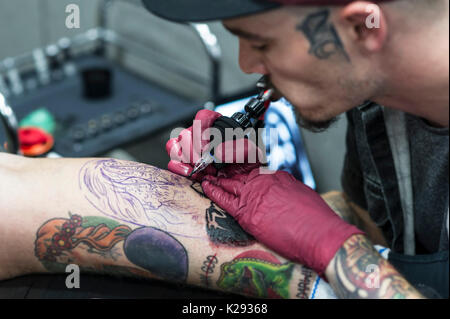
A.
pixel 171 57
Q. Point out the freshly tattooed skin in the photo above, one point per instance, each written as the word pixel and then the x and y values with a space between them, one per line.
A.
pixel 138 194
pixel 322 35
pixel 360 272
pixel 196 187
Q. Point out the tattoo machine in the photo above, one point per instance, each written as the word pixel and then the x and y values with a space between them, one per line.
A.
pixel 252 118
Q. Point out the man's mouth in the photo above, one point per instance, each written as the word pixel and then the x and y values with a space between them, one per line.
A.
pixel 276 95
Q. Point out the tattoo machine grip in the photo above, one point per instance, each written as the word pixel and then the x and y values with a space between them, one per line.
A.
pixel 222 124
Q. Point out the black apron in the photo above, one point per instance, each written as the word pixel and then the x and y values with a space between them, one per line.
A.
pixel 427 273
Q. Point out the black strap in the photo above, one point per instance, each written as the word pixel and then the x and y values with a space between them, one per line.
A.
pixel 379 172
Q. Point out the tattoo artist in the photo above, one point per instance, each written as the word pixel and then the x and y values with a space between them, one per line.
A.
pixel 385 65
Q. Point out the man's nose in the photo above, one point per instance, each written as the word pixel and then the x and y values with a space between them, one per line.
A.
pixel 250 61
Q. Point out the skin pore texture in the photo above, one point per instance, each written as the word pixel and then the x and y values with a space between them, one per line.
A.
pixel 325 61
pixel 128 219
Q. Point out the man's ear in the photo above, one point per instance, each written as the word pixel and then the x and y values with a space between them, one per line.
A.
pixel 368 24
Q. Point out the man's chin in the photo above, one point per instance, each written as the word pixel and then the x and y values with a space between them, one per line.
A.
pixel 314 125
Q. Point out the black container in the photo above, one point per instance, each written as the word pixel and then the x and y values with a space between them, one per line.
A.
pixel 97 83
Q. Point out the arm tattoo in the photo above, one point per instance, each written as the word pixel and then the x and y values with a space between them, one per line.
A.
pixel 123 240
pixel 221 227
pixel 304 286
pixel 256 273
pixel 207 269
pixel 101 245
pixel 362 273
pixel 138 194
pixel 322 35
pixel 339 204
pixel 224 229
pixel 197 187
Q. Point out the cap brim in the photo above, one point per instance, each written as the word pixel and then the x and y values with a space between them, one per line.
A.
pixel 206 10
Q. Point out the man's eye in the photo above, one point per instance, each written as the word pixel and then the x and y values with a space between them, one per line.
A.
pixel 260 47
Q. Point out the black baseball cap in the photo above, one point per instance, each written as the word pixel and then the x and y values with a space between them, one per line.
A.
pixel 209 10
pixel 206 10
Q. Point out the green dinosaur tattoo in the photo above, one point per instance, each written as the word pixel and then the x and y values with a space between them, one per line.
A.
pixel 256 277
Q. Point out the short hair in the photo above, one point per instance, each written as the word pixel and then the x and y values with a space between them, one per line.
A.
pixel 431 9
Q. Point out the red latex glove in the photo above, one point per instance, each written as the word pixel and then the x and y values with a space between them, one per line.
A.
pixel 184 153
pixel 284 214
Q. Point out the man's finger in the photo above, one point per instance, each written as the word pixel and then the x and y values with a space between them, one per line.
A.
pixel 237 172
pixel 207 118
pixel 180 168
pixel 180 148
pixel 186 145
pixel 218 195
pixel 173 148
pixel 229 185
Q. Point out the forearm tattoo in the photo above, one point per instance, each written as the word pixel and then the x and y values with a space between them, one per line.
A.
pixel 362 273
pixel 322 35
pixel 340 206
